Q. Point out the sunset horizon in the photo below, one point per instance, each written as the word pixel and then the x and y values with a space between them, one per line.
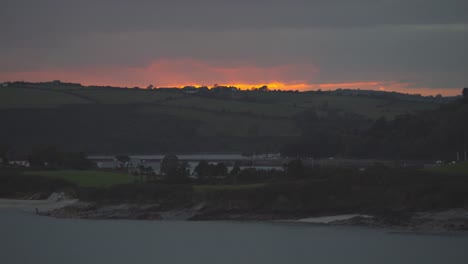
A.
pixel 241 74
pixel 234 131
pixel 292 45
pixel 301 87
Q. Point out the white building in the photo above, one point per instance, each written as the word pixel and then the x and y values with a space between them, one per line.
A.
pixel 20 163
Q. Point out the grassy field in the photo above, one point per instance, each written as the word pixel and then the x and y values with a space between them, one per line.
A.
pixel 236 106
pixel 366 106
pixel 17 97
pixel 13 97
pixel 87 178
pixel 228 124
pixel 286 105
pixel 92 178
pixel 126 96
pixel 459 168
pixel 207 188
pixel 103 119
pixel 271 104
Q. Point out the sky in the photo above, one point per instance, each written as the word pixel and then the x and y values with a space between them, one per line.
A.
pixel 411 46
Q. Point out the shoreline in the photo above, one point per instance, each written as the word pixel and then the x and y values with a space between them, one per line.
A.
pixel 451 220
pixel 30 206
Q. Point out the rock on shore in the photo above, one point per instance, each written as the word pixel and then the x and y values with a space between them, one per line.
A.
pixel 448 220
pixel 151 211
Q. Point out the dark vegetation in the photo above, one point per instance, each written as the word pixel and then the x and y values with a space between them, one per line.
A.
pixel 376 191
pixel 301 190
pixel 54 157
pixel 430 135
pixel 15 184
pixel 321 125
pixel 95 127
pixel 220 119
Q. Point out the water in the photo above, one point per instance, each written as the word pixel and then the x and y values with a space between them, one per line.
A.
pixel 26 238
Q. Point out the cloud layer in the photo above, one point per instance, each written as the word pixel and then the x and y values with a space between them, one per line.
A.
pixel 419 44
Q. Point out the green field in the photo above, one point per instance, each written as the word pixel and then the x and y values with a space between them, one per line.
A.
pixel 87 178
pixel 458 168
pixel 286 105
pixel 105 119
pixel 93 178
pixel 263 104
pixel 126 96
pixel 13 97
pixel 367 106
pixel 236 106
pixel 228 124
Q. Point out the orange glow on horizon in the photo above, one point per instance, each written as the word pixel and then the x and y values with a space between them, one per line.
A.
pixel 371 85
pixel 189 72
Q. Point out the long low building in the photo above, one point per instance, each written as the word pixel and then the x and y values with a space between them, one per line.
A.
pixel 194 157
pixel 265 161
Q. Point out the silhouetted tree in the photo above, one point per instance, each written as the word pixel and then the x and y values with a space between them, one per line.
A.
pixel 77 161
pixel 203 89
pixel 221 170
pixel 202 170
pixel 141 171
pixel 234 173
pixel 264 88
pixel 4 150
pixel 122 158
pixel 51 156
pixel 247 175
pixel 295 169
pixel 173 170
pixel 169 164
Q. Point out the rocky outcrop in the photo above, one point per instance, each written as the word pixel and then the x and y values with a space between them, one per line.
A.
pixel 151 211
pixel 94 211
pixel 448 220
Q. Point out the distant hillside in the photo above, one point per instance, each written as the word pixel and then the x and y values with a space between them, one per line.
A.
pixel 106 119
pixel 436 134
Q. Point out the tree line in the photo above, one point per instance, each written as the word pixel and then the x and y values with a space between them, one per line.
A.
pixel 433 134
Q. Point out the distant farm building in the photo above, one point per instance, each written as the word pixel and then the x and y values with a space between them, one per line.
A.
pixel 20 163
pixel 260 162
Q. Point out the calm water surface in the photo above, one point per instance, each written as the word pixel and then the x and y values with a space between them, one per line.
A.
pixel 26 238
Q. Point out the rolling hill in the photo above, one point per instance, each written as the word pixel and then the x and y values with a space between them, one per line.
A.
pixel 106 119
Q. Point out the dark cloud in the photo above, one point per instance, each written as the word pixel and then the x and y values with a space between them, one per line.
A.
pixel 61 16
pixel 347 40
